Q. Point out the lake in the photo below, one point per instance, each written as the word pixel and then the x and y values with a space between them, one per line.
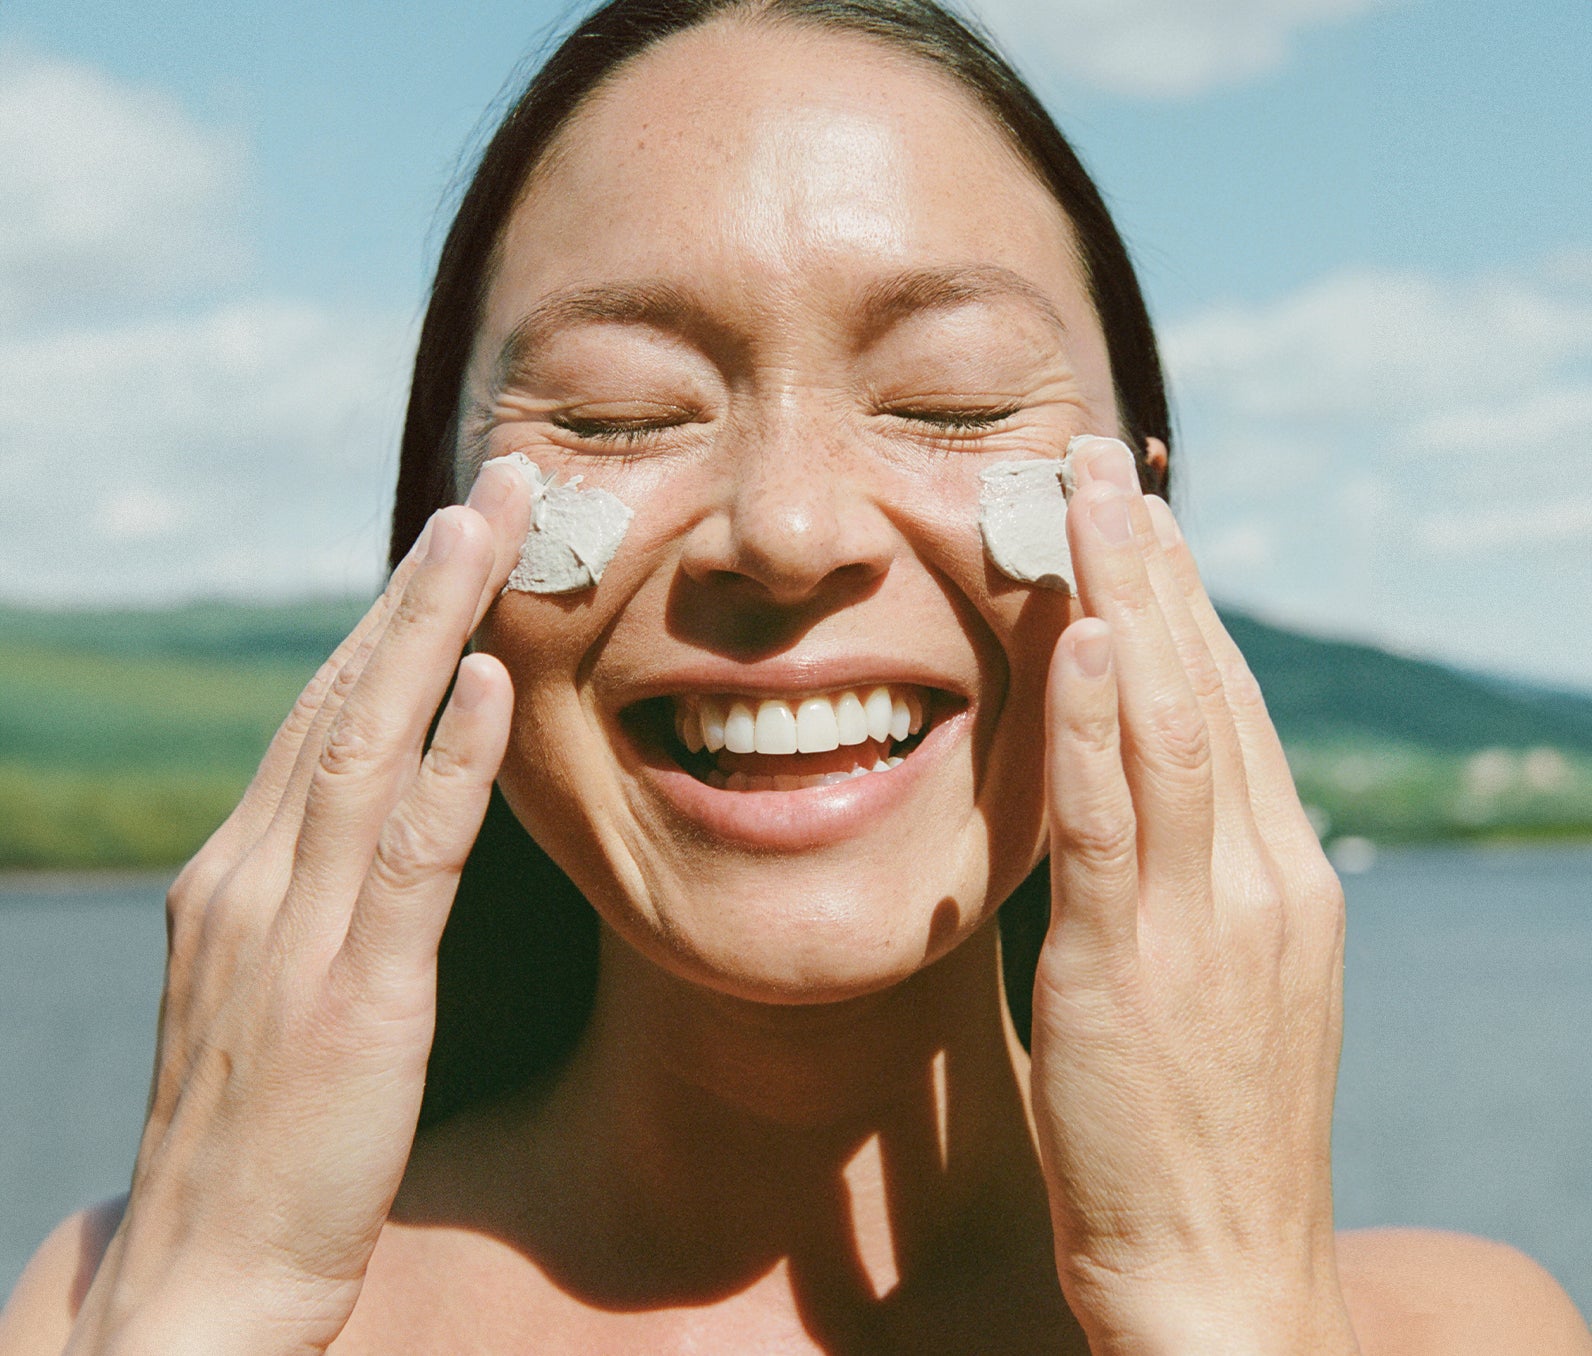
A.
pixel 1465 1100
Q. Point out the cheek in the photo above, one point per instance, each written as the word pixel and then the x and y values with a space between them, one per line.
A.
pixel 1018 626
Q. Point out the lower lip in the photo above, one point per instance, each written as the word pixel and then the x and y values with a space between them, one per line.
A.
pixel 811 817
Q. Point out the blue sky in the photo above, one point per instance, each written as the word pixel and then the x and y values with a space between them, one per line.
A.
pixel 1363 225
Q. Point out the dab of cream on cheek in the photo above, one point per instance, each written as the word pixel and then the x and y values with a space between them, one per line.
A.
pixel 573 536
pixel 1022 514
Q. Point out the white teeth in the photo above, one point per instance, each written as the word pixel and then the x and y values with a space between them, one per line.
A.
pixel 711 711
pixel 784 781
pixel 812 724
pixel 740 729
pixel 878 707
pixel 775 730
pixel 688 724
pixel 817 726
pixel 851 721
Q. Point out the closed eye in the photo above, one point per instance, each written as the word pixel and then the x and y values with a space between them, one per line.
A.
pixel 623 430
pixel 957 420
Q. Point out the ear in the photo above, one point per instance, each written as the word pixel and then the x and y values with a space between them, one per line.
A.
pixel 1155 459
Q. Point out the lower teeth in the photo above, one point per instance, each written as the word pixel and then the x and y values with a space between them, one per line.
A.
pixel 741 781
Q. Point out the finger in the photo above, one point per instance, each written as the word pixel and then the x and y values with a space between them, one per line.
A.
pixel 1230 783
pixel 1166 743
pixel 1279 817
pixel 1094 875
pixel 372 748
pixel 399 916
pixel 261 801
pixel 502 496
pixel 276 768
pixel 502 499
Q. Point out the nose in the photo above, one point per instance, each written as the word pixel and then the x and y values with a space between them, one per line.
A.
pixel 796 520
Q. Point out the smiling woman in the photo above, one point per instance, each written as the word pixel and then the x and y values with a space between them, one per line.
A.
pixel 715 1053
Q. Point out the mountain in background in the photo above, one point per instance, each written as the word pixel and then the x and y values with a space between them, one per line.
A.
pixel 1339 690
pixel 126 736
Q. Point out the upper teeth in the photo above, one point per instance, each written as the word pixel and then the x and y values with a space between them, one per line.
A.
pixel 813 723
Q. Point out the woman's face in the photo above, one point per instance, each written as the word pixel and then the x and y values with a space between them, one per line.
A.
pixel 785 293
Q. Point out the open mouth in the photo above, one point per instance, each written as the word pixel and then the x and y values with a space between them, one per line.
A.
pixel 737 742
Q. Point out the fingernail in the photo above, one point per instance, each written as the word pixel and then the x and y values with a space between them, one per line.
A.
pixel 444 537
pixel 1109 459
pixel 1167 531
pixel 491 488
pixel 1092 652
pixel 1110 517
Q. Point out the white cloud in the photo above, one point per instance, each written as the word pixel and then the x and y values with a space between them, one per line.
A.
pixel 110 195
pixel 1159 48
pixel 165 428
pixel 1414 451
pixel 199 454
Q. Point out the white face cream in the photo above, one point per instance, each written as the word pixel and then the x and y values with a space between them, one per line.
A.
pixel 1022 513
pixel 574 533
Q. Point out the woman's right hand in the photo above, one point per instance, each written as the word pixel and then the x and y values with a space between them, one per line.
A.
pixel 300 988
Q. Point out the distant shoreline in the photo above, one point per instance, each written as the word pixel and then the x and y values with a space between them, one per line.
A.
pixel 70 879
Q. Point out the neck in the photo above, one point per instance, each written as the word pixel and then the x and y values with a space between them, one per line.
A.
pixel 864 1147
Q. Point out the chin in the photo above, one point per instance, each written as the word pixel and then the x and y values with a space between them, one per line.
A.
pixel 819 936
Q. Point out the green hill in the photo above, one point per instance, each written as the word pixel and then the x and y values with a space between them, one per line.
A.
pixel 126 736
pixel 1334 690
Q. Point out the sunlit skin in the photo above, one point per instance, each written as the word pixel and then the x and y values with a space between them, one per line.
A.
pixel 784 293
pixel 804 519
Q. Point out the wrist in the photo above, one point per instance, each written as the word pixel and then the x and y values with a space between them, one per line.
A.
pixel 183 1303
pixel 1220 1318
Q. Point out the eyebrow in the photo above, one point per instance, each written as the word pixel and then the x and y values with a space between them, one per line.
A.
pixel 658 304
pixel 883 304
pixel 892 300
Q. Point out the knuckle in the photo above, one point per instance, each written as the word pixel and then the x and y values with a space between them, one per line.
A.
pixel 1094 731
pixel 1206 680
pixel 1180 738
pixel 1099 836
pixel 185 903
pixel 405 852
pixel 411 610
pixel 449 764
pixel 350 748
pixel 1327 903
pixel 1242 690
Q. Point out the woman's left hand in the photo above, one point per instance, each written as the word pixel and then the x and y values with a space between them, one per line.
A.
pixel 1188 1001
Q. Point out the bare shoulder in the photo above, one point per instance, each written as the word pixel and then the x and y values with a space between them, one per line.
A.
pixel 1423 1292
pixel 38 1317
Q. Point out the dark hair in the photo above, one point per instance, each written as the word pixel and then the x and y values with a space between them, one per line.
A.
pixel 518 963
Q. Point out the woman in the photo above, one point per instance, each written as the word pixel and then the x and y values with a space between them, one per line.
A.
pixel 782 278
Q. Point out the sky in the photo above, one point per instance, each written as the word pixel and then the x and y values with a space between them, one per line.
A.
pixel 1364 227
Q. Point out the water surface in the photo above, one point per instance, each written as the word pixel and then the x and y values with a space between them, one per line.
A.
pixel 1465 1100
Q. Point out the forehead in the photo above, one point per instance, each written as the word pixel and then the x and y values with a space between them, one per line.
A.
pixel 763 161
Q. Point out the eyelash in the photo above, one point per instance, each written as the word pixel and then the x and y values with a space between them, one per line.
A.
pixel 958 421
pixel 942 421
pixel 598 431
